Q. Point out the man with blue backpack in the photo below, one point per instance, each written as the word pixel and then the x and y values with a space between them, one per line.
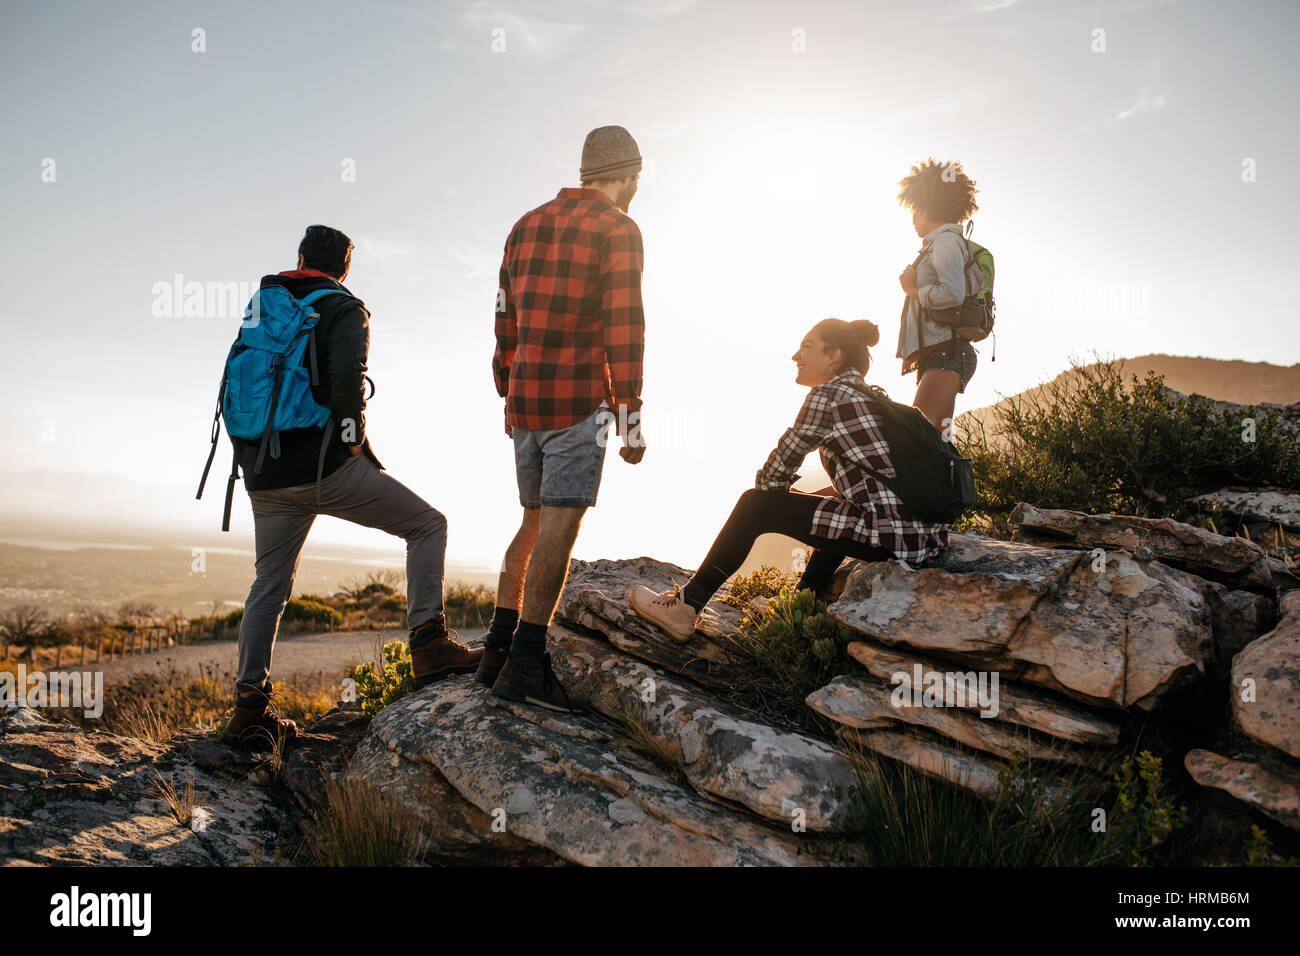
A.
pixel 293 401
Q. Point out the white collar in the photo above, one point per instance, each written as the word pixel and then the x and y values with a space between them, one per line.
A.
pixel 930 236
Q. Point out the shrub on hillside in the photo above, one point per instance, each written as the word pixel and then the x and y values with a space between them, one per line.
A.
pixel 469 605
pixel 312 612
pixel 1092 444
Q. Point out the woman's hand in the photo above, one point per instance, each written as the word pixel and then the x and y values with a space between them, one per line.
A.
pixel 907 279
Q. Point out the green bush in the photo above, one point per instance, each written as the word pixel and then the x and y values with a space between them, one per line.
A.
pixel 1089 443
pixel 378 687
pixel 794 648
pixel 312 612
pixel 1144 817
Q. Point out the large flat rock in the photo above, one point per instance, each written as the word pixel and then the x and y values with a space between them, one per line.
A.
pixel 1124 637
pixel 1234 560
pixel 940 760
pixel 866 703
pixel 721 752
pixel 570 785
pixel 1265 688
pixel 1268 505
pixel 1272 791
pixel 595 597
pixel 1018 704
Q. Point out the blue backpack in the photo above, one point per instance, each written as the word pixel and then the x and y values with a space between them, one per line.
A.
pixel 267 382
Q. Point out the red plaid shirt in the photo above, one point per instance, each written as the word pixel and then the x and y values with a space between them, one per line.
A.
pixel 569 323
pixel 838 420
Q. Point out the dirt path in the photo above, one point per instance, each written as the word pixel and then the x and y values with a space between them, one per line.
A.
pixel 298 654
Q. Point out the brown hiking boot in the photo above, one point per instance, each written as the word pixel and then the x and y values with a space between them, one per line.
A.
pixel 256 723
pixel 442 656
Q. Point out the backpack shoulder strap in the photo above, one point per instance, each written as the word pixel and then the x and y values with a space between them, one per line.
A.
pixel 311 297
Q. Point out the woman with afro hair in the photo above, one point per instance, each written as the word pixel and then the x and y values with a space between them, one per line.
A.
pixel 940 197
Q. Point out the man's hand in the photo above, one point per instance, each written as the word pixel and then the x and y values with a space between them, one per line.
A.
pixel 907 279
pixel 632 453
pixel 509 431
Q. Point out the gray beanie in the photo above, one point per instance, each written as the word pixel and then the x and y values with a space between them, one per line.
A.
pixel 610 152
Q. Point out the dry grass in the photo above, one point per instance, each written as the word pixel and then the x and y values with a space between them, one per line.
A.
pixel 631 719
pixel 364 826
pixel 181 802
pixel 157 706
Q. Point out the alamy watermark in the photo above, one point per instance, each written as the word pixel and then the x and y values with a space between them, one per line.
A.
pixel 82 690
pixel 923 688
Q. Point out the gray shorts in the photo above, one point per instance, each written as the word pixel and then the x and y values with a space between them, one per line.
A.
pixel 956 357
pixel 561 468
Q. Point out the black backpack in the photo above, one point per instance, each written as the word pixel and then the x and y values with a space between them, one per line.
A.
pixel 933 481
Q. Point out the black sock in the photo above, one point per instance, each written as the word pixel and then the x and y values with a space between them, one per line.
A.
pixel 504 622
pixel 695 597
pixel 529 639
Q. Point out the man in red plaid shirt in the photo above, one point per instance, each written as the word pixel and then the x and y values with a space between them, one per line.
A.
pixel 570 334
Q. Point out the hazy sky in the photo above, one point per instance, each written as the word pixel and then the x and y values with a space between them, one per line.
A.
pixel 1110 143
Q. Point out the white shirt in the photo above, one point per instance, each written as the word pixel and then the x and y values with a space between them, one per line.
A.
pixel 941 284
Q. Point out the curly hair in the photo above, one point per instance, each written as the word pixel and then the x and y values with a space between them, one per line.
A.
pixel 939 190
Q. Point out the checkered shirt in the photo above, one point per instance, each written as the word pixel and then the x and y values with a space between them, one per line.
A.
pixel 570 327
pixel 838 420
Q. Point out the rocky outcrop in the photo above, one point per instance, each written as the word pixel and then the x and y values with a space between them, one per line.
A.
pixel 1265 686
pixel 680 762
pixel 1287 417
pixel 595 597
pixel 722 752
pixel 1271 517
pixel 1112 632
pixel 1018 705
pixel 1273 792
pixel 865 703
pixel 1236 561
pixel 68 796
pixel 571 784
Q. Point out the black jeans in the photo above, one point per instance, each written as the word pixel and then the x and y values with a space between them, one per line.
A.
pixel 774 512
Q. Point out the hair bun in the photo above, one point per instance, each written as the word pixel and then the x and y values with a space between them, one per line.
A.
pixel 869 332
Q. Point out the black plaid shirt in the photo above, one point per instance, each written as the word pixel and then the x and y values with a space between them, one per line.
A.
pixel 838 420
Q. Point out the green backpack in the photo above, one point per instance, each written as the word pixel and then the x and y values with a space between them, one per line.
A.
pixel 973 319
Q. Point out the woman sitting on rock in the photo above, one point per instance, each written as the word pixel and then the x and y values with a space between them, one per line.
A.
pixel 856 517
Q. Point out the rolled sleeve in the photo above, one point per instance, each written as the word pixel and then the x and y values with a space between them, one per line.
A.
pixel 507 331
pixel 624 316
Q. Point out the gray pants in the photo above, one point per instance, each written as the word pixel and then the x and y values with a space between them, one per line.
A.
pixel 359 492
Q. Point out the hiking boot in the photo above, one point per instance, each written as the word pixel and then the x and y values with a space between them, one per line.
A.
pixel 256 723
pixel 667 610
pixel 528 679
pixel 441 657
pixel 494 658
